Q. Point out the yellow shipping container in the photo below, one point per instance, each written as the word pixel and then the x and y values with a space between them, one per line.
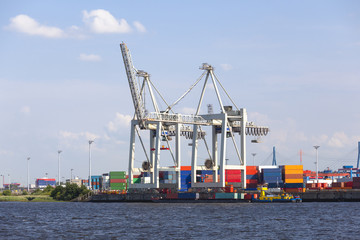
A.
pixel 293 171
pixel 294 180
pixel 288 167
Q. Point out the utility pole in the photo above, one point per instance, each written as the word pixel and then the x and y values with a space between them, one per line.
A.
pixel 317 164
pixel 90 142
pixel 59 178
pixel 28 159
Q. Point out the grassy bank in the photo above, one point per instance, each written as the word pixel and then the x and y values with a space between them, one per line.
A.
pixel 27 198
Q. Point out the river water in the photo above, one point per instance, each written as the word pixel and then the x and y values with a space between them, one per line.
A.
pixel 65 220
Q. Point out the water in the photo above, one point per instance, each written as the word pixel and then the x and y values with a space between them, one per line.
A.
pixel 27 220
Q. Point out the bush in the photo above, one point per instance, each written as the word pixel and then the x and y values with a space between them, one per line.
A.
pixel 69 192
pixel 25 192
pixel 6 193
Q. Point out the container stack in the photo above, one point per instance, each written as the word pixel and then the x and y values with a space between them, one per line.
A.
pixel 273 177
pixel 185 178
pixel 204 175
pixel 232 175
pixel 293 178
pixel 167 176
pixel 252 177
pixel 356 183
pixel 118 180
pixel 96 182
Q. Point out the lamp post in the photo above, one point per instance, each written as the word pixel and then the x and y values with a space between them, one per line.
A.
pixel 90 142
pixel 9 182
pixel 59 179
pixel 317 164
pixel 28 159
pixel 2 181
pixel 71 174
pixel 253 154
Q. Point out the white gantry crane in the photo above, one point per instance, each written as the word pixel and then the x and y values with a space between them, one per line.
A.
pixel 163 124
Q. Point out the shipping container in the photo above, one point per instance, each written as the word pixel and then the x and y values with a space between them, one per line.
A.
pixel 226 195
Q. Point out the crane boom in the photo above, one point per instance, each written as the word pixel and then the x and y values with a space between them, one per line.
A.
pixel 130 72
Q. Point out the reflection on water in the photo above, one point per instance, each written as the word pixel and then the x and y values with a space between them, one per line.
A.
pixel 19 220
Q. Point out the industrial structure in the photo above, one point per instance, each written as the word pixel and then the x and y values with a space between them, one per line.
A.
pixel 163 125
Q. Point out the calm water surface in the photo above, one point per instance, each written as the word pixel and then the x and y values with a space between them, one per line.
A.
pixel 179 221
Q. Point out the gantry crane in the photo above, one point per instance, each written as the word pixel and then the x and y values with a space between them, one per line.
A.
pixel 164 124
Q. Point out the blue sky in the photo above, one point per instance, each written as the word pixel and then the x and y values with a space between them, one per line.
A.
pixel 293 65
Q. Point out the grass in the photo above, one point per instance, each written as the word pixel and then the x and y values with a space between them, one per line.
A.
pixel 27 198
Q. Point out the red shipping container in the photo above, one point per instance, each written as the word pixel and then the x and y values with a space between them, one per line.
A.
pixel 293 190
pixel 356 179
pixel 232 171
pixel 117 180
pixel 349 184
pixel 172 196
pixel 252 181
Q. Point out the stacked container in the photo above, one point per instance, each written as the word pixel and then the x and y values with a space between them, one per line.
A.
pixel 252 177
pixel 293 178
pixel 96 182
pixel 118 180
pixel 273 177
pixel 185 178
pixel 356 183
pixel 232 175
pixel 44 182
pixel 167 176
pixel 204 175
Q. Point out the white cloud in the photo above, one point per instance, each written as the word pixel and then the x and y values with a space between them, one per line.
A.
pixel 121 121
pixel 226 67
pixel 76 136
pixel 25 24
pixel 101 21
pixel 139 27
pixel 90 57
pixel 25 110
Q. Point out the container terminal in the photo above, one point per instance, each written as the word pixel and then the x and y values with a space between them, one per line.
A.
pixel 213 135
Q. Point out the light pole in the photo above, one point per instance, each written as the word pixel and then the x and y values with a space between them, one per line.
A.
pixel 59 179
pixel 2 181
pixel 317 164
pixel 9 182
pixel 28 159
pixel 90 142
pixel 253 154
pixel 71 174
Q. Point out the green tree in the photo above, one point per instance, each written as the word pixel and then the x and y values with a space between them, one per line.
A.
pixel 6 193
pixel 69 192
pixel 25 192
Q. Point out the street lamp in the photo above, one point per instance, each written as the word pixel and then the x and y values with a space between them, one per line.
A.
pixel 59 151
pixel 71 174
pixel 90 142
pixel 9 182
pixel 253 154
pixel 317 164
pixel 28 159
pixel 2 181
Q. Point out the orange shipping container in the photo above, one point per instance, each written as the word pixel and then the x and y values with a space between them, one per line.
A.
pixel 293 171
pixel 294 180
pixel 185 168
pixel 293 167
pixel 293 176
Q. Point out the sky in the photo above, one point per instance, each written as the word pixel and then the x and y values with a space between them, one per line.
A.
pixel 294 66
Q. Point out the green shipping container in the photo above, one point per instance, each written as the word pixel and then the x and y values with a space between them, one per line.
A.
pixel 117 175
pixel 118 186
pixel 226 196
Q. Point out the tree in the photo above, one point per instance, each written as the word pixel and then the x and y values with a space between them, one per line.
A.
pixel 6 193
pixel 69 192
